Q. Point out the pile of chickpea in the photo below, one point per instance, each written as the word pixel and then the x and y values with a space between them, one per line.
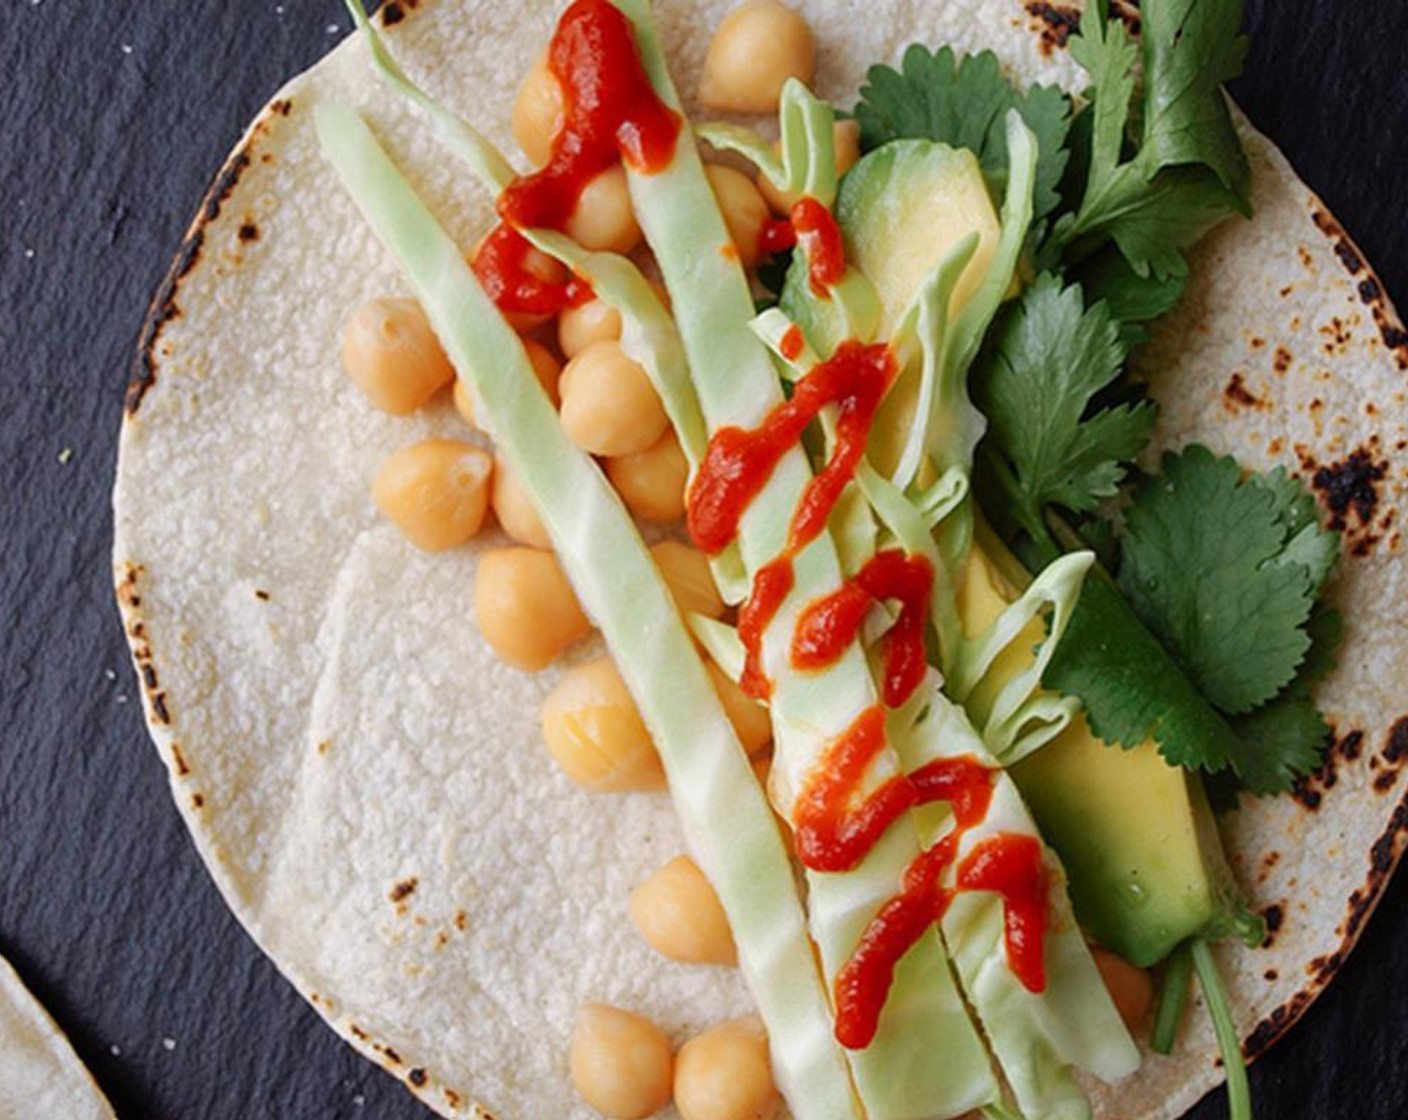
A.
pixel 439 493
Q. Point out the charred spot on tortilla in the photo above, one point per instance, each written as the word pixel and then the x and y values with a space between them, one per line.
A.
pixel 1274 1025
pixel 1054 24
pixel 261 594
pixel 197 801
pixel 1396 745
pixel 1350 485
pixel 164 306
pixel 225 184
pixel 1337 334
pixel 1306 794
pixel 1273 915
pixel 1281 360
pixel 1236 395
pixel 415 1076
pixel 248 231
pixel 178 760
pixel 404 889
pixel 1270 975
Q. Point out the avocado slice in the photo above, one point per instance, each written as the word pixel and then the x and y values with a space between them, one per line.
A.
pixel 1143 858
pixel 1139 843
pixel 901 208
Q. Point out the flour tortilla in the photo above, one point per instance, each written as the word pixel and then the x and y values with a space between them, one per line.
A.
pixel 367 783
pixel 40 1074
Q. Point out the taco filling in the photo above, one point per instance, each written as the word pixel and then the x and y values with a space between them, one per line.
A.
pixel 828 428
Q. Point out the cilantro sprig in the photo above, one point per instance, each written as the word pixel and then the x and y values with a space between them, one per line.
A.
pixel 1216 567
pixel 1213 639
pixel 1186 172
pixel 1209 637
pixel 1047 361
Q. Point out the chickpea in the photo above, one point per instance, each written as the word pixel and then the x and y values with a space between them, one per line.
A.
pixel 620 1062
pixel 1129 986
pixel 525 607
pixel 846 143
pixel 688 576
pixel 758 46
pixel 517 514
pixel 745 212
pixel 652 482
pixel 594 731
pixel 609 406
pixel 392 355
pixel 545 365
pixel 751 722
pixel 726 1074
pixel 680 916
pixel 538 112
pixel 578 327
pixel 436 491
pixel 603 219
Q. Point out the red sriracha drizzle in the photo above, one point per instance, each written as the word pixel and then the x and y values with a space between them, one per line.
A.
pixel 610 112
pixel 738 463
pixel 820 238
pixel 829 624
pixel 835 829
pixel 501 264
pixel 1012 866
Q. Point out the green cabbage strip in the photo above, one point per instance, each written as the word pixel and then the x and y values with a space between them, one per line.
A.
pixel 1024 716
pixel 726 819
pixel 648 333
pixel 927 1059
pixel 807 165
pixel 1038 1037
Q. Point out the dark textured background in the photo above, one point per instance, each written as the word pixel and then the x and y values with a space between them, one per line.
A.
pixel 114 118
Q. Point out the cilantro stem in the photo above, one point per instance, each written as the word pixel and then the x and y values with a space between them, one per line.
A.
pixel 1239 1099
pixel 1173 998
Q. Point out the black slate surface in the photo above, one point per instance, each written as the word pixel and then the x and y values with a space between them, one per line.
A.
pixel 115 117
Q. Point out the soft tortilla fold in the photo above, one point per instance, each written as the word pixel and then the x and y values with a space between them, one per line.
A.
pixel 40 1074
pixel 367 783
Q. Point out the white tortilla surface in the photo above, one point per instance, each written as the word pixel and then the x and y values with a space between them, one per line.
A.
pixel 367 783
pixel 40 1075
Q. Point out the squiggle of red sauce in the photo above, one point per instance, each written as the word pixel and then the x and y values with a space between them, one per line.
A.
pixel 820 238
pixel 828 625
pixel 610 112
pixel 834 829
pixel 738 463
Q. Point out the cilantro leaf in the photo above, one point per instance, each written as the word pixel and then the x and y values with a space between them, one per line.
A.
pixel 1219 570
pixel 1131 299
pixel 1188 172
pixel 1153 222
pixel 1191 47
pixel 1286 738
pixel 1307 542
pixel 1049 357
pixel 961 101
pixel 1132 689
